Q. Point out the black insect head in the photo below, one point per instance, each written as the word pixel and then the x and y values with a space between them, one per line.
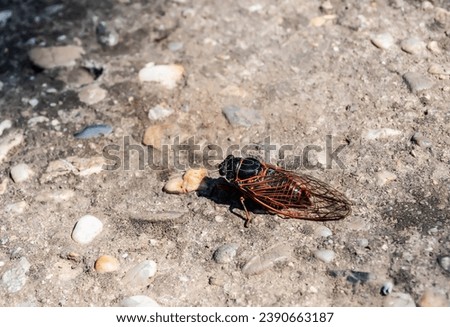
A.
pixel 233 167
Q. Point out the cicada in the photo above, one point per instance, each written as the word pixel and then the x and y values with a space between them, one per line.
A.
pixel 283 192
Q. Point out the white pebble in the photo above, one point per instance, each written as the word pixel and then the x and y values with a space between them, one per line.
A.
pixel 437 69
pixel 325 255
pixel 92 94
pixel 140 274
pixel 9 142
pixel 37 120
pixel 412 45
pixel 166 75
pixel 3 186
pixel 5 125
pixel 399 300
pixel 86 229
pixel 323 231
pixel 159 112
pixel 15 278
pixel 381 133
pixel 383 40
pixel 139 301
pixel 225 253
pixel 16 207
pixel 52 57
pixel 383 177
pixel 21 172
pixel 33 102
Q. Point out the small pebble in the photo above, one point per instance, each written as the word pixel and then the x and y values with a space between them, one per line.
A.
pixel 325 255
pixel 52 57
pixel 437 69
pixel 15 278
pixel 92 94
pixel 216 281
pixel 4 125
pixel 4 16
pixel 86 229
pixel 433 298
pixel 158 135
pixel 433 46
pixel 412 45
pixel 174 186
pixel 381 133
pixel 139 301
pixel 166 75
pixel 21 172
pixel 362 242
pixel 417 82
pixel 106 263
pixel 106 35
pixel 192 180
pixel 387 288
pixel 93 131
pixel 246 117
pixel 383 40
pixel 384 177
pixel 140 275
pixel 225 253
pixel 58 196
pixel 33 102
pixel 261 262
pixel 3 186
pixel 323 231
pixel 175 46
pixel 37 120
pixel 399 300
pixel 321 20
pixel 159 113
pixel 9 142
pixel 16 207
pixel 444 262
pixel 421 140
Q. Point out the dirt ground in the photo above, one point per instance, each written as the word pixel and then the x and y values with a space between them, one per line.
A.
pixel 299 74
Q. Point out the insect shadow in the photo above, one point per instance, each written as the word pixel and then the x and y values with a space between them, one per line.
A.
pixel 221 192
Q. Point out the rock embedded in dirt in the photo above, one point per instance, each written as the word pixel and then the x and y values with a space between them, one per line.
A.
pixel 323 231
pixel 57 196
pixel 383 40
pixel 92 94
pixel 86 229
pixel 413 45
pixel 437 69
pixel 192 180
pixel 433 298
pixel 225 253
pixel 245 117
pixel 52 57
pixel 4 125
pixel 106 35
pixel 384 177
pixel 159 113
pixel 381 133
pixel 141 274
pixel 386 288
pixel 444 262
pixel 16 207
pixel 21 172
pixel 92 131
pixel 106 264
pixel 417 82
pixel 15 278
pixel 325 255
pixel 166 75
pixel 139 301
pixel 8 142
pixel 262 262
pixel 419 139
pixel 399 300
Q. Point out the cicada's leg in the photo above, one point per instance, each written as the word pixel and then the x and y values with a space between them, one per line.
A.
pixel 248 218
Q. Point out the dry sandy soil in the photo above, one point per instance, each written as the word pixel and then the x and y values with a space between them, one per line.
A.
pixel 371 75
